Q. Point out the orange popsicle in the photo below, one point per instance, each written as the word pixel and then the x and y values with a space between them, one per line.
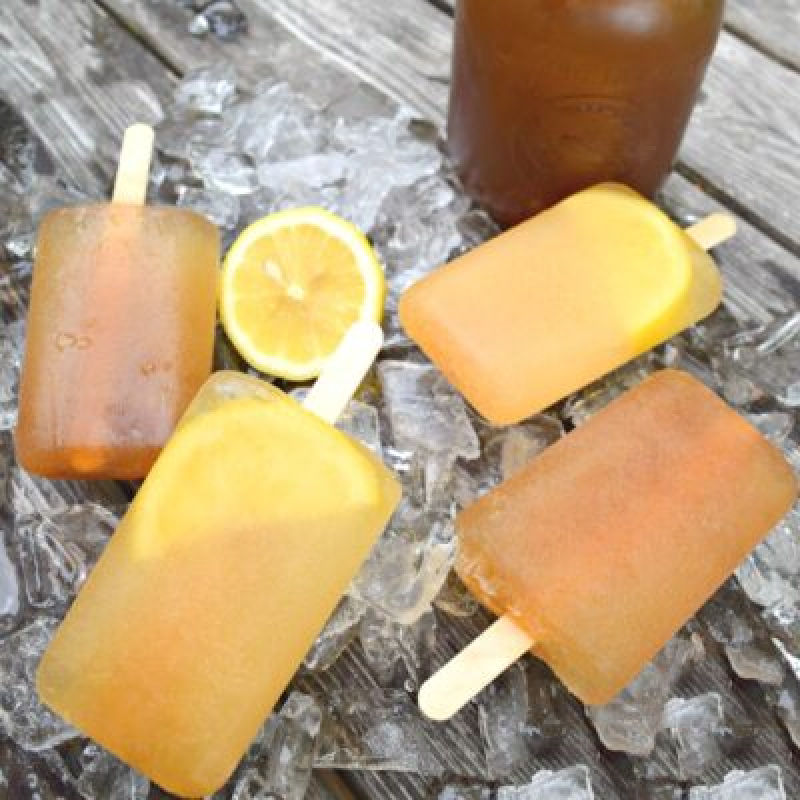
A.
pixel 604 545
pixel 120 329
pixel 559 301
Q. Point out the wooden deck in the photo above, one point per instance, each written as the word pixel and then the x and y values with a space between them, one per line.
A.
pixel 79 71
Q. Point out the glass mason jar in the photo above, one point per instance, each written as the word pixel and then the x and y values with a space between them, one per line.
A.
pixel 551 96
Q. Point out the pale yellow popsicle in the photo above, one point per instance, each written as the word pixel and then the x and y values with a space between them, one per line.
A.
pixel 237 548
pixel 604 545
pixel 560 300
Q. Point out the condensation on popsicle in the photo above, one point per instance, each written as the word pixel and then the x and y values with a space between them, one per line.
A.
pixel 234 553
pixel 604 545
pixel 557 302
pixel 120 330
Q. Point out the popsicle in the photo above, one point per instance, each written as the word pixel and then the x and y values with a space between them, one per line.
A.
pixel 235 551
pixel 562 299
pixel 604 545
pixel 120 329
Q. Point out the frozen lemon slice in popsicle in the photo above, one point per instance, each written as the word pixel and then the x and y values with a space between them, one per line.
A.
pixel 559 301
pixel 240 432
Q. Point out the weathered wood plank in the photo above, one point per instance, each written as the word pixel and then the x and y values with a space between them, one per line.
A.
pixel 269 52
pixel 402 48
pixel 774 29
pixel 78 79
pixel 163 26
pixel 744 138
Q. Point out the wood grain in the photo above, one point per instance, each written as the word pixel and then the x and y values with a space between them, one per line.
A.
pixel 772 27
pixel 270 52
pixel 744 138
pixel 78 80
pixel 402 48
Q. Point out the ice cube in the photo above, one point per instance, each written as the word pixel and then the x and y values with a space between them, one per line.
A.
pixel 755 663
pixel 409 564
pixel 567 784
pixel 503 715
pixel 425 413
pixel 765 783
pixel 396 652
pixel 338 632
pixel 206 90
pixel 9 589
pixel 288 741
pixel 775 425
pixel 225 170
pixel 696 726
pixel 785 701
pixel 359 420
pixel 783 622
pixel 30 494
pixel 376 730
pixel 521 714
pixel 766 357
pixel 222 18
pixel 630 722
pixel 771 573
pixel 314 171
pixel 507 450
pixel 731 622
pixel 101 775
pixel 18 151
pixel 278 124
pixel 56 551
pixel 12 338
pixel 199 25
pixel 417 230
pixel 219 207
pixel 23 718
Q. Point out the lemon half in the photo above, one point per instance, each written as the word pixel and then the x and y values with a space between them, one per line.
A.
pixel 292 284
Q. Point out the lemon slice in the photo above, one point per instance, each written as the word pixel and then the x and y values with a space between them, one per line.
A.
pixel 320 477
pixel 292 284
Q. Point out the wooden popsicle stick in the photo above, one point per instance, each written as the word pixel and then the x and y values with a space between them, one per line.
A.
pixel 133 169
pixel 713 230
pixel 476 666
pixel 344 371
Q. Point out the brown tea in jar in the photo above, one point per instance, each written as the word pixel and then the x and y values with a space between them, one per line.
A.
pixel 551 96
